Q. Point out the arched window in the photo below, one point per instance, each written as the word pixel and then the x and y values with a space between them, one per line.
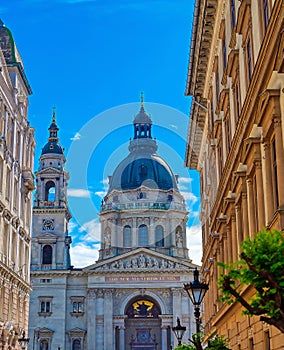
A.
pixel 50 191
pixel 159 236
pixel 143 307
pixel 143 236
pixel 47 255
pixel 44 344
pixel 76 344
pixel 127 239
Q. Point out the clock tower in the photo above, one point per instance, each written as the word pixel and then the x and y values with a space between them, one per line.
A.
pixel 50 239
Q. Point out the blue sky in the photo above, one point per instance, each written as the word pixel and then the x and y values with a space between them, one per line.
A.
pixel 91 59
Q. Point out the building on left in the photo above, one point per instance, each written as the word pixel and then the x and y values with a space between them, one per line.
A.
pixel 16 183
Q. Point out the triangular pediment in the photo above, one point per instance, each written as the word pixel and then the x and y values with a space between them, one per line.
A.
pixel 49 170
pixel 76 332
pixel 142 259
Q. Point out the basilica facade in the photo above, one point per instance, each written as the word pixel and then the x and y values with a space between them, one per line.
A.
pixel 132 295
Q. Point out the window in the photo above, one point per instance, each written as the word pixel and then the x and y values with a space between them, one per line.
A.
pixel 47 255
pixel 233 13
pixel 77 304
pixel 50 191
pixel 266 341
pixel 249 61
pixel 127 241
pixel 217 81
pixel 143 236
pixel 44 344
pixel 76 344
pixel 227 123
pixel 45 280
pixel 237 100
pixel 224 52
pixel 45 306
pixel 265 14
pixel 159 236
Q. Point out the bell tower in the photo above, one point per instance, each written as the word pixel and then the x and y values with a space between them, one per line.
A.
pixel 50 239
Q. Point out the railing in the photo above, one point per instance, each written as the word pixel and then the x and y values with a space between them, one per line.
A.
pixel 142 205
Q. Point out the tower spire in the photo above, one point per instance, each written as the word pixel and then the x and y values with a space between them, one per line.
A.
pixel 142 99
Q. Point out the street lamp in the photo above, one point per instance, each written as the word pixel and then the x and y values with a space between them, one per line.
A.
pixel 24 341
pixel 196 291
pixel 179 331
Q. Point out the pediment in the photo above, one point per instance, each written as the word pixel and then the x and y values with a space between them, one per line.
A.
pixel 49 170
pixel 76 332
pixel 142 259
pixel 45 331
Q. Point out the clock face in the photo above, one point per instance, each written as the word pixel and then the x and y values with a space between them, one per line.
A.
pixel 48 224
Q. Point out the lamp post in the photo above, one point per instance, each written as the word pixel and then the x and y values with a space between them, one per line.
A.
pixel 24 341
pixel 179 331
pixel 196 291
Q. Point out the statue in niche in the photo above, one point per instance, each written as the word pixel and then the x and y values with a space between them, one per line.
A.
pixel 179 238
pixel 107 239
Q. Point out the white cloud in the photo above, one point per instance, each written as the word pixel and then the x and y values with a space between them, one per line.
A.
pixel 101 194
pixel 76 137
pixel 78 192
pixel 194 243
pixel 71 226
pixel 189 196
pixel 186 180
pixel 92 229
pixel 83 255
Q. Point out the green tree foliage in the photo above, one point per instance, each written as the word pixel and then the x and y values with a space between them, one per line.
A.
pixel 218 343
pixel 261 265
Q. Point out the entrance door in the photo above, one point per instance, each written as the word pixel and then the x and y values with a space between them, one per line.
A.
pixel 143 325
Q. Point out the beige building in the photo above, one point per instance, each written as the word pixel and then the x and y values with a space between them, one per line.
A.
pixel 235 141
pixel 16 183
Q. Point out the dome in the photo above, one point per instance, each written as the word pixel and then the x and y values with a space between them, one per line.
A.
pixel 142 167
pixel 52 147
pixel 142 117
pixel 147 170
pixel 7 44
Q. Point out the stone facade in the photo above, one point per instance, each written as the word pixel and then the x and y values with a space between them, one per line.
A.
pixel 235 141
pixel 16 183
pixel 131 297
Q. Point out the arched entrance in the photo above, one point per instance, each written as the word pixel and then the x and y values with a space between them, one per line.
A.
pixel 143 325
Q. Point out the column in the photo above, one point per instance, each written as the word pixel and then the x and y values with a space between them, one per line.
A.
pixel 268 199
pixel 99 341
pixel 91 318
pixel 134 232
pixel 260 196
pixel 252 225
pixel 164 337
pixel 233 238
pixel 108 323
pixel 121 338
pixel 240 236
pixel 151 232
pixel 279 160
pixel 176 295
